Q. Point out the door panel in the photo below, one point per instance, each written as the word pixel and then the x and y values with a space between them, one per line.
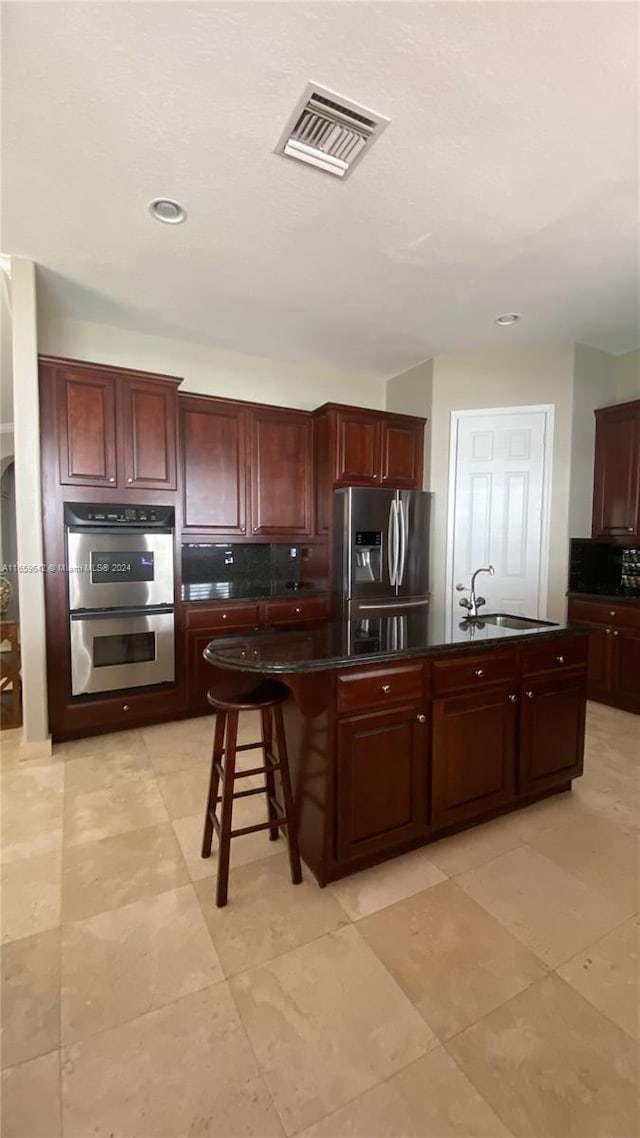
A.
pixel 498 502
pixel 626 666
pixel 382 794
pixel 402 456
pixel 358 451
pixel 552 720
pixel 281 473
pixel 86 410
pixel 149 434
pixel 213 467
pixel 473 763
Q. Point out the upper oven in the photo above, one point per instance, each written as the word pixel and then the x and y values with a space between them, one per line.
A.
pixel 119 557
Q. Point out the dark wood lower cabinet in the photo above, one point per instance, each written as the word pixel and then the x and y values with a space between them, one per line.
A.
pixel 552 715
pixel 613 669
pixel 381 781
pixel 473 754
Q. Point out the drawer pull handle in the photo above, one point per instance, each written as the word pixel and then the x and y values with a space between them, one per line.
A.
pixel 386 688
pixel 612 612
pixel 529 695
pixel 125 707
pixel 479 672
pixel 513 698
pixel 298 610
pixel 615 632
pixel 560 659
pixel 224 616
pixel 421 718
pixel 608 631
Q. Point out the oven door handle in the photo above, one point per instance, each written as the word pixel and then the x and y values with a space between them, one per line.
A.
pixel 111 614
pixel 120 531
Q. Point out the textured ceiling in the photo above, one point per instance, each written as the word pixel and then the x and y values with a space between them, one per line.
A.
pixel 505 181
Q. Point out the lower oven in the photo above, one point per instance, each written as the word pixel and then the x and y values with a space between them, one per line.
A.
pixel 114 649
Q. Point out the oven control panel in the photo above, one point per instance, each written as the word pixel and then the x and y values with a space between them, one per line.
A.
pixel 89 514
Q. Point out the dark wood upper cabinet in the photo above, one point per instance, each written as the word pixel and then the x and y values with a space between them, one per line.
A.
pixel 616 494
pixel 114 428
pixel 281 472
pixel 356 447
pixel 214 459
pixel 149 434
pixel 86 422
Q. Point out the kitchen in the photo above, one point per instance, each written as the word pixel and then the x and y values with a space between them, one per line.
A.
pixel 123 854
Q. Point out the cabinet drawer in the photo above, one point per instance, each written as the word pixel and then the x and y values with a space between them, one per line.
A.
pixel 379 688
pixel 554 655
pixel 466 671
pixel 609 613
pixel 223 616
pixel 282 612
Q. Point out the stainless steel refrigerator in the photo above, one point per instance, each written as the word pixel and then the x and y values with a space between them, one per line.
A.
pixel 380 551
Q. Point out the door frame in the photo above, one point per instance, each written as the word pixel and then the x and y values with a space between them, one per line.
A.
pixel 548 409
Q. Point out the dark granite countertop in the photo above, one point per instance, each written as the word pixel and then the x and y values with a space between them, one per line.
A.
pixel 341 644
pixel 606 598
pixel 212 593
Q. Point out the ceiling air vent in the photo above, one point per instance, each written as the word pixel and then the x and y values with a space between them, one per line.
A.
pixel 330 132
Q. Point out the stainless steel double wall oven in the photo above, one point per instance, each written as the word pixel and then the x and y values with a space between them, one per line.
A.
pixel 120 596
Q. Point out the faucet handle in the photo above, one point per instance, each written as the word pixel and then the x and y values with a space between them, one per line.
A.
pixel 465 602
pixel 480 601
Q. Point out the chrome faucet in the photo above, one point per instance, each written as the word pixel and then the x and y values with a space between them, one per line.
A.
pixel 472 602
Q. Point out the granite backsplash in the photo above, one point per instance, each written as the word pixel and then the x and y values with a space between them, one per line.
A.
pixel 222 572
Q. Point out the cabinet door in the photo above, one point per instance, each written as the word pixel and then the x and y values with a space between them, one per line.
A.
pixel 402 455
pixel 552 715
pixel 213 446
pixel 281 473
pixel 598 660
pixel 149 434
pixel 616 498
pixel 358 449
pixel 86 414
pixel 473 754
pixel 382 786
pixel 625 667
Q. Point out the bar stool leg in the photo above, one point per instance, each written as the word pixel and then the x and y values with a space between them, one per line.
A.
pixel 214 780
pixel 224 847
pixel 269 777
pixel 292 830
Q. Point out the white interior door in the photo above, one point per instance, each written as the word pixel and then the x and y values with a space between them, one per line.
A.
pixel 498 515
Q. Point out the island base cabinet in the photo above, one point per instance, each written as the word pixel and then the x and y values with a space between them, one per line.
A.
pixel 552 718
pixel 381 782
pixel 473 755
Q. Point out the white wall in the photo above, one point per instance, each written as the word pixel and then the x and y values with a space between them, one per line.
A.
pixel 594 385
pixel 505 377
pixel 28 502
pixel 411 393
pixel 209 370
pixel 628 376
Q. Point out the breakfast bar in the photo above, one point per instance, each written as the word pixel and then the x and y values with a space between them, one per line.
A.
pixel 402 729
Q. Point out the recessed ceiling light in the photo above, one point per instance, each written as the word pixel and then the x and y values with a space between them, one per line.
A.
pixel 167 210
pixel 507 318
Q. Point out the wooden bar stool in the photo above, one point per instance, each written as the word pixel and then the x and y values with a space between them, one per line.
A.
pixel 230 698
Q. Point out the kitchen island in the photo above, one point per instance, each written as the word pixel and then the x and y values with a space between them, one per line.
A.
pixel 401 730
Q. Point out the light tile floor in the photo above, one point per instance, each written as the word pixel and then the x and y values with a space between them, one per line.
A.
pixel 485 986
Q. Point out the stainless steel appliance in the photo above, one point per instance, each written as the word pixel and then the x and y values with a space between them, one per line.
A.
pixel 380 551
pixel 121 596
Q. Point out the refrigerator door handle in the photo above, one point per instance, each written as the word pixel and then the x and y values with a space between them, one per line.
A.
pixel 392 543
pixel 403 542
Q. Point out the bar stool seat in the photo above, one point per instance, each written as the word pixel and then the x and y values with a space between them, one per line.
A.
pixel 229 698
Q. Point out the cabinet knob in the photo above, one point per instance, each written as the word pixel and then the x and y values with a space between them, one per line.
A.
pixel 612 612
pixel 479 672
pixel 255 529
pixel 112 479
pixel 529 695
pixel 125 707
pixel 421 718
pixel 224 616
pixel 243 529
pixel 386 688
pixel 375 476
pixel 560 659
pixel 608 631
pixel 129 479
pixel 629 529
pixel 615 632
pixel 513 698
pixel 298 610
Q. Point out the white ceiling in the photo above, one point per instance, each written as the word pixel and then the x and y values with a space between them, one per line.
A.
pixel 505 181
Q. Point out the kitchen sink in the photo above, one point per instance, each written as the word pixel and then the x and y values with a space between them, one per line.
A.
pixel 506 620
